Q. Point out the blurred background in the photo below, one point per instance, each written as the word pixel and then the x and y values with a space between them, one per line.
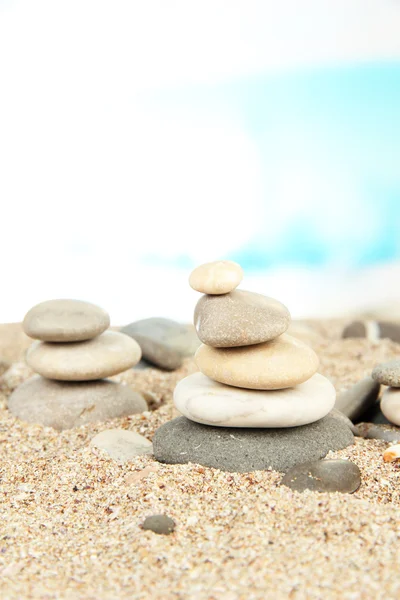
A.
pixel 141 138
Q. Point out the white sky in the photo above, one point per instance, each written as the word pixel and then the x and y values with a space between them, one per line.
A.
pixel 90 179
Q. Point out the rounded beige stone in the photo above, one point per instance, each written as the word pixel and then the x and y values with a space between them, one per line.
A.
pixel 107 354
pixel 281 363
pixel 239 318
pixel 65 404
pixel 219 277
pixel 390 405
pixel 121 444
pixel 65 321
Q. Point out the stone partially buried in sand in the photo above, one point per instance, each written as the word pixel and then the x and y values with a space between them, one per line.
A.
pixel 239 318
pixel 121 444
pixel 65 321
pixel 388 373
pixel 281 363
pixel 181 441
pixel 64 405
pixel 105 355
pixel 219 277
pixel 164 343
pixel 324 476
pixel 205 401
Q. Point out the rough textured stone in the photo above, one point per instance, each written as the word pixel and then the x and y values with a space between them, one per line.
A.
pixel 336 414
pixel 390 405
pixel 219 277
pixel 107 354
pixel 388 373
pixel 324 476
pixel 281 363
pixel 121 444
pixel 65 321
pixel 63 405
pixel 355 401
pixel 182 441
pixel 164 342
pixel 161 524
pixel 239 318
pixel 205 401
pixel 372 431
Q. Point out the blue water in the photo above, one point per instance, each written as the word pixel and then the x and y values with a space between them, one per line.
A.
pixel 341 128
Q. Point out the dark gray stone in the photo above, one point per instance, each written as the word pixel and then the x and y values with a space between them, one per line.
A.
pixel 373 330
pixel 375 415
pixel 390 330
pixel 355 401
pixel 372 431
pixel 388 373
pixel 356 329
pixel 164 342
pixel 336 414
pixel 244 450
pixel 324 476
pixel 160 524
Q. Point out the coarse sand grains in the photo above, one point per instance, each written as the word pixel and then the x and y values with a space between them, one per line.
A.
pixel 71 517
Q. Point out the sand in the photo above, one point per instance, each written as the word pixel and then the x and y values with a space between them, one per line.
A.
pixel 71 517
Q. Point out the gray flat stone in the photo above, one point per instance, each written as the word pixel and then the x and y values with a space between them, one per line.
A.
pixel 164 343
pixel 373 330
pixel 161 524
pixel 64 405
pixel 324 476
pixel 388 373
pixel 355 401
pixel 182 441
pixel 373 431
pixel 65 321
pixel 121 444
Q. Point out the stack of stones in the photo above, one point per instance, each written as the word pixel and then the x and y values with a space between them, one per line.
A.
pixel 389 374
pixel 73 355
pixel 258 401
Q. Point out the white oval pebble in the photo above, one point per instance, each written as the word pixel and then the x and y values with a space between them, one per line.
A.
pixel 219 277
pixel 122 444
pixel 203 400
pixel 390 405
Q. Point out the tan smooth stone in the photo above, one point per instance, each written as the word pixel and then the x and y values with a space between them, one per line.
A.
pixel 281 363
pixel 66 404
pixel 219 277
pixel 65 321
pixel 107 354
pixel 390 405
pixel 239 318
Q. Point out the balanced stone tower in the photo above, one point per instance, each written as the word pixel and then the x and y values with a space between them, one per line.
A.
pixel 258 401
pixel 73 355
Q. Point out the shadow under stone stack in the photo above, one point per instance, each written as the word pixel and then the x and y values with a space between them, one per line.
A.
pixel 258 401
pixel 73 356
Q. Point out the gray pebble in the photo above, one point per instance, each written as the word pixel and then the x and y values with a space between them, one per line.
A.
pixel 324 476
pixel 164 343
pixel 373 330
pixel 355 401
pixel 373 431
pixel 388 373
pixel 159 524
pixel 242 450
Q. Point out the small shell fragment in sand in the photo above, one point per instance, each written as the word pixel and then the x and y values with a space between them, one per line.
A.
pixel 392 453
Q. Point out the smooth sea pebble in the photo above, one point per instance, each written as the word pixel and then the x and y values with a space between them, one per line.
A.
pixel 205 401
pixel 219 277
pixel 122 444
pixel 242 450
pixel 64 405
pixel 373 330
pixel 107 354
pixel 239 318
pixel 355 401
pixel 65 321
pixel 281 363
pixel 324 476
pixel 388 373
pixel 372 431
pixel 390 405
pixel 161 524
pixel 164 343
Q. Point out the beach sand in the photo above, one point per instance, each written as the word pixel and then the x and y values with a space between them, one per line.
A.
pixel 71 517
